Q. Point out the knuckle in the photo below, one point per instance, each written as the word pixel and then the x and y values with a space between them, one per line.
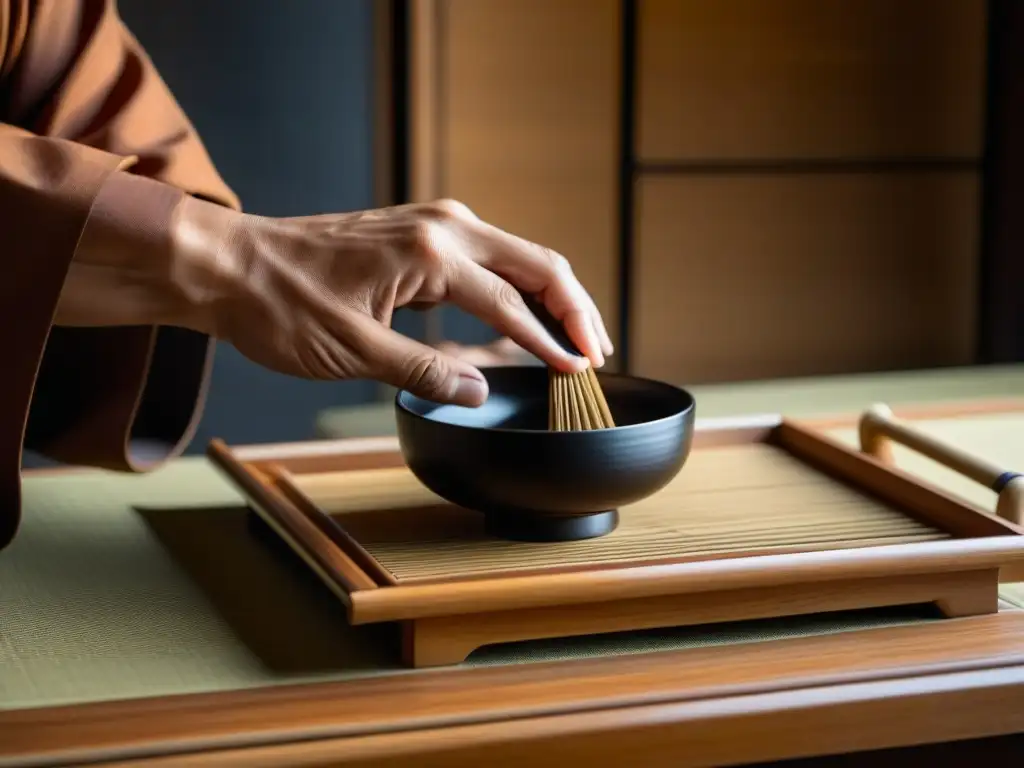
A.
pixel 558 264
pixel 429 376
pixel 428 237
pixel 446 208
pixel 506 297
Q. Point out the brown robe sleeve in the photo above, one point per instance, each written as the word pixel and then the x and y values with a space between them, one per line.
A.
pixel 81 110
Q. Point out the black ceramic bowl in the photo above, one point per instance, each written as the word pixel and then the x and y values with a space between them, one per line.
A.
pixel 533 484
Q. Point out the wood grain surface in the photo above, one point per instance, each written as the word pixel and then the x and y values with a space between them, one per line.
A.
pixel 805 79
pixel 714 706
pixel 803 274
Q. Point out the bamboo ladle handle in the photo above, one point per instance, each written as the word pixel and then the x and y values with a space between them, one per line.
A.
pixel 879 428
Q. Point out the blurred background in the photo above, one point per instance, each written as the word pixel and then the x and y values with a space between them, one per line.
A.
pixel 751 189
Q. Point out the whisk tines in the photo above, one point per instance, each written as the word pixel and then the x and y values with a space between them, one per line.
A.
pixel 576 402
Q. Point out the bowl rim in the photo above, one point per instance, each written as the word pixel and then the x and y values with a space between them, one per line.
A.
pixel 691 407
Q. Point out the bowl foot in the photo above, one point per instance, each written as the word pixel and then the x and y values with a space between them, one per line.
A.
pixel 524 526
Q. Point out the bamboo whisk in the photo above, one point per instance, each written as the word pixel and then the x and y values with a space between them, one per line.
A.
pixel 576 402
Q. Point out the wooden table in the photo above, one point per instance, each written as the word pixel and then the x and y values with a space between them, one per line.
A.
pixel 157 632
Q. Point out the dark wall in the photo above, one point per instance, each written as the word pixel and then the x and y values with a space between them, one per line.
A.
pixel 281 93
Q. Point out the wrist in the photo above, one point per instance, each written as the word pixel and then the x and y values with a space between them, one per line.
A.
pixel 206 269
pixel 145 258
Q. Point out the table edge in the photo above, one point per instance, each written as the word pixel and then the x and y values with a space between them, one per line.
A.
pixel 687 687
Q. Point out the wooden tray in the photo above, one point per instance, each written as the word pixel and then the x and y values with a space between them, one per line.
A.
pixel 766 520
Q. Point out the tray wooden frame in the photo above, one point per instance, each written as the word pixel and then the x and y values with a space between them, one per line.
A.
pixel 442 621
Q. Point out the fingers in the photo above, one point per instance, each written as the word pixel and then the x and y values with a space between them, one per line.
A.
pixel 492 299
pixel 602 332
pixel 548 276
pixel 406 364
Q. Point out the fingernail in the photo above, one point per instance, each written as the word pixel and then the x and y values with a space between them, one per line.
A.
pixel 580 364
pixel 471 389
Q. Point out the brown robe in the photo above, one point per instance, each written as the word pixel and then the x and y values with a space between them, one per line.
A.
pixel 80 101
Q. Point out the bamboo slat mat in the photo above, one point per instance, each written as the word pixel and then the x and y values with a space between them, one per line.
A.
pixel 725 501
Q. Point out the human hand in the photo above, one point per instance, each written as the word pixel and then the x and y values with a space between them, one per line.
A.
pixel 314 296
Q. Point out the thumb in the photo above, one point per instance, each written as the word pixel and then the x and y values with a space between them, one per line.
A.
pixel 429 373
